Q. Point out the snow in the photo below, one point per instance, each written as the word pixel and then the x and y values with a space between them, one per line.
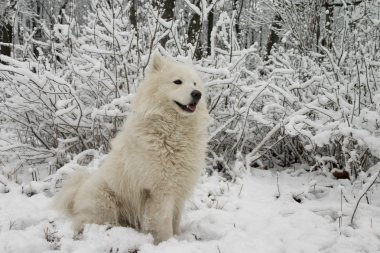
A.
pixel 244 216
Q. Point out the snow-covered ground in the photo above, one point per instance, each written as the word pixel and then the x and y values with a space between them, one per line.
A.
pixel 222 217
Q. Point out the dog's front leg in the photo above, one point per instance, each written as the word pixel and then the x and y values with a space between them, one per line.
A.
pixel 158 218
pixel 177 215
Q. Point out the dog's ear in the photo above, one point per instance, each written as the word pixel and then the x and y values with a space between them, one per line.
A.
pixel 157 63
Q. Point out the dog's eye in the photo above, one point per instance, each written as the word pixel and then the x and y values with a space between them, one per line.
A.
pixel 177 81
pixel 195 84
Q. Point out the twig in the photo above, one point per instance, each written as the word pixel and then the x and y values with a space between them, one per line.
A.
pixel 241 189
pixel 341 211
pixel 35 134
pixel 256 157
pixel 367 186
pixel 278 185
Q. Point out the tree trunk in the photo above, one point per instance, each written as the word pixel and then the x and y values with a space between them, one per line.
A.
pixel 6 37
pixel 194 33
pixel 210 25
pixel 329 10
pixel 167 14
pixel 238 10
pixel 61 9
pixel 133 14
pixel 168 9
pixel 273 37
pixel 317 25
pixel 35 25
pixel 6 28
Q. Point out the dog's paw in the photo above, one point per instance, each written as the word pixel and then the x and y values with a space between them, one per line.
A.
pixel 78 234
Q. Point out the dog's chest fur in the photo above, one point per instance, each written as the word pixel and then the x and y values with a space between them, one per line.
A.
pixel 176 146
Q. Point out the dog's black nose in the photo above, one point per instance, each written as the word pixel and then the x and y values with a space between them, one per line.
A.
pixel 196 94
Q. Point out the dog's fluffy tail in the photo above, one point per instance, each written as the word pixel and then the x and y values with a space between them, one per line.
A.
pixel 64 200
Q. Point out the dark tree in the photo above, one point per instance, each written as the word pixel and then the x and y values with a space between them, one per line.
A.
pixel 273 36
pixel 6 36
pixel 167 10
pixel 329 6
pixel 6 29
pixel 210 25
pixel 194 32
pixel 133 14
pixel 36 26
pixel 238 8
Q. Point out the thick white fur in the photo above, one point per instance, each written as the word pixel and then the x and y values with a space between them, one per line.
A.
pixel 154 162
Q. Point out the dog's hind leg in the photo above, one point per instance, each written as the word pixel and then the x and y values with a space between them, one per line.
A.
pixel 98 205
pixel 79 222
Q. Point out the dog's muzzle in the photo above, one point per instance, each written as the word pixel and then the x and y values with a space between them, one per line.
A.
pixel 192 106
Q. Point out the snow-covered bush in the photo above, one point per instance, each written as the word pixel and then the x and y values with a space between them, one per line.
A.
pixel 316 108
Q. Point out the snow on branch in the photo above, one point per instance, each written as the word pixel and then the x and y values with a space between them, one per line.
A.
pixel 193 7
pixel 371 181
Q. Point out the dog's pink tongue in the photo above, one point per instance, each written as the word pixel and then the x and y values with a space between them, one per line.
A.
pixel 191 107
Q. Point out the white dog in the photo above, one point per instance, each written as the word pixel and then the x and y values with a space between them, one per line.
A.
pixel 154 162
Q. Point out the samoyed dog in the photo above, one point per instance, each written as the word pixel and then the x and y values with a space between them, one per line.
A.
pixel 154 162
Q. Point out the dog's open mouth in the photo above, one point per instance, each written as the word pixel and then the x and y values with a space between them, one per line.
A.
pixel 189 107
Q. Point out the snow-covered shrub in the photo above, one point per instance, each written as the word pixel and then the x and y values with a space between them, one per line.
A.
pixel 320 109
pixel 74 97
pixel 316 109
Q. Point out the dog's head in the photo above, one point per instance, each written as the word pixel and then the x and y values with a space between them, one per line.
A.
pixel 176 85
